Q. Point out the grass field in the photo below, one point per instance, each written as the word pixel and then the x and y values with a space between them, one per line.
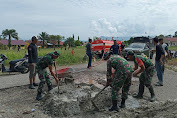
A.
pixel 174 48
pixel 66 57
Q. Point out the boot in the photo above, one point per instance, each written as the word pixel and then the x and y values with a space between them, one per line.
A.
pixel 39 96
pixel 114 106
pixel 50 87
pixel 35 84
pixel 151 90
pixel 122 103
pixel 31 86
pixel 140 93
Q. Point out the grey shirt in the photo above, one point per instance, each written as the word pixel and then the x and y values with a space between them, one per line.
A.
pixel 88 48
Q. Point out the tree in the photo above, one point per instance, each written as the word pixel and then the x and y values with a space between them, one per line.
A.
pixel 78 37
pixel 77 43
pixel 11 34
pixel 69 41
pixel 175 34
pixel 73 36
pixel 161 36
pixel 44 37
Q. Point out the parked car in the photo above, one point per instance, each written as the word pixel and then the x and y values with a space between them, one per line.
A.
pixel 137 48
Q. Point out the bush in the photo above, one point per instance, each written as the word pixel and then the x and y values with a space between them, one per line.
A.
pixel 3 47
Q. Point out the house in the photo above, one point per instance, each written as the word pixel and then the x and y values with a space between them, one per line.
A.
pixel 39 43
pixel 14 43
pixel 171 41
pixel 56 43
pixel 49 44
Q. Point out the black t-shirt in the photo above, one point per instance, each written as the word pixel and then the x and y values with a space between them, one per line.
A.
pixel 32 53
pixel 159 52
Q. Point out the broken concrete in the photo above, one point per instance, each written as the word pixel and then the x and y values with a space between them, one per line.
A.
pixel 74 100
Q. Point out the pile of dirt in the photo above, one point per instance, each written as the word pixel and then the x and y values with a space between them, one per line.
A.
pixel 74 100
pixel 157 110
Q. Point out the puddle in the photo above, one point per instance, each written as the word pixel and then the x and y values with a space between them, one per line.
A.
pixel 131 102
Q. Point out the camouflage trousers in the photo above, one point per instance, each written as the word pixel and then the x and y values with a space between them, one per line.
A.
pixel 146 77
pixel 44 78
pixel 121 81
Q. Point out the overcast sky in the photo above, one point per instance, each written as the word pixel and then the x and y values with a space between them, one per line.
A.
pixel 88 18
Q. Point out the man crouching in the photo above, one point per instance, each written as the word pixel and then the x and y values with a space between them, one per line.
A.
pixel 120 79
pixel 41 66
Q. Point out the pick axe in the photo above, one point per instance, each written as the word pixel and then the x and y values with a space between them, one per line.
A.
pixel 56 75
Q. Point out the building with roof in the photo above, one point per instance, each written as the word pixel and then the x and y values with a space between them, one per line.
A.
pixel 14 43
pixel 171 41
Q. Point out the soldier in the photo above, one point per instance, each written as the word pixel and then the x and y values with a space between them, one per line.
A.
pixel 120 79
pixel 147 70
pixel 41 66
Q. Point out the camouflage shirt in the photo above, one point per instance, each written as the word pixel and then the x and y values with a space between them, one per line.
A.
pixel 119 64
pixel 44 62
pixel 140 60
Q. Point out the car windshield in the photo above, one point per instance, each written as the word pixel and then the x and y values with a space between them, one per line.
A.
pixel 136 45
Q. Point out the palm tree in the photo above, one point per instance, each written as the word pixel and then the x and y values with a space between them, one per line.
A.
pixel 11 33
pixel 43 36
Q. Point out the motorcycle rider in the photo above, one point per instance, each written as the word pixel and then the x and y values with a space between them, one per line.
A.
pixel 33 59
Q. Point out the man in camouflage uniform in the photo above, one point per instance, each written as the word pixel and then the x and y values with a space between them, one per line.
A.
pixel 41 66
pixel 120 79
pixel 147 70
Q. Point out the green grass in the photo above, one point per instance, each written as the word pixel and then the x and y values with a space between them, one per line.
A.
pixel 174 48
pixel 66 57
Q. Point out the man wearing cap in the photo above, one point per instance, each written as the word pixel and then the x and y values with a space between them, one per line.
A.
pixel 147 70
pixel 32 59
pixel 41 66
pixel 120 79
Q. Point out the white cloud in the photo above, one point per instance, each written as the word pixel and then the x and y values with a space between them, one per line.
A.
pixel 88 18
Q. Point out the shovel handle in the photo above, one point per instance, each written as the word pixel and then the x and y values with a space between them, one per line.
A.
pixel 99 92
pixel 56 75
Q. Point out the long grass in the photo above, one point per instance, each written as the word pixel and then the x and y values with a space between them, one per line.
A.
pixel 66 57
pixel 174 48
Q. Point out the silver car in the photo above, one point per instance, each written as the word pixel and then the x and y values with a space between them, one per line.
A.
pixel 137 48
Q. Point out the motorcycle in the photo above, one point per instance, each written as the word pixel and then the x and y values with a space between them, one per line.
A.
pixel 20 65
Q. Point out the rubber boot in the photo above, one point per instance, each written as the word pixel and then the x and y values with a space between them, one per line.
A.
pixel 140 93
pixel 114 106
pixel 122 103
pixel 151 90
pixel 39 96
pixel 50 87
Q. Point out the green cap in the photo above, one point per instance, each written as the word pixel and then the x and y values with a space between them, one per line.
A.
pixel 56 53
pixel 130 52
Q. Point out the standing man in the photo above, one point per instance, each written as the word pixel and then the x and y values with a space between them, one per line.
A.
pixel 147 72
pixel 89 52
pixel 159 61
pixel 115 48
pixel 18 48
pixel 41 66
pixel 120 79
pixel 165 49
pixel 32 59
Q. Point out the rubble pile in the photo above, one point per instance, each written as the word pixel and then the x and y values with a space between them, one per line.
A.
pixel 74 100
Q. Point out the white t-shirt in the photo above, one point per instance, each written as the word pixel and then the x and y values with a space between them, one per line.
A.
pixel 165 48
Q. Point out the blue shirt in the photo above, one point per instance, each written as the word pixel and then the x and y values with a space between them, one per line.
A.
pixel 115 49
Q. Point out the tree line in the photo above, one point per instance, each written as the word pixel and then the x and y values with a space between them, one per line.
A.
pixel 45 37
pixel 159 36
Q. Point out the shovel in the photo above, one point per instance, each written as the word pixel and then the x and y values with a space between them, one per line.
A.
pixel 57 76
pixel 96 108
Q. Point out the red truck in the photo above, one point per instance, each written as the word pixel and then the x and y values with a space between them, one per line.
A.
pixel 101 46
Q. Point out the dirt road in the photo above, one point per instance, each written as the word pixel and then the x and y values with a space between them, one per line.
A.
pixel 14 101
